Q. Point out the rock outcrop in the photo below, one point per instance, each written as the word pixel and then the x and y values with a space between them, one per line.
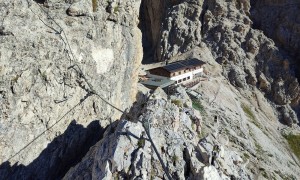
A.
pixel 280 21
pixel 248 57
pixel 56 68
pixel 173 148
pixel 169 139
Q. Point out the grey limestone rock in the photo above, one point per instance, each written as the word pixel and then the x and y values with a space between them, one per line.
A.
pixel 69 70
pixel 52 66
pixel 81 8
pixel 280 21
pixel 288 115
pixel 126 151
pixel 181 97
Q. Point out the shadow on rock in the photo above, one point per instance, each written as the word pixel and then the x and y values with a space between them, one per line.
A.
pixel 60 155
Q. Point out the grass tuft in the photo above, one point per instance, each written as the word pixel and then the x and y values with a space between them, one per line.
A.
pixel 264 173
pixel 177 102
pixel 294 142
pixel 141 143
pixel 285 176
pixel 116 9
pixel 175 159
pixel 95 5
pixel 247 156
pixel 198 106
pixel 15 79
pixel 258 147
pixel 44 76
pixel 248 111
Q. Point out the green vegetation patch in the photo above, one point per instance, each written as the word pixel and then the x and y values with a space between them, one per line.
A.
pixel 141 143
pixel 294 142
pixel 264 173
pixel 250 114
pixel 285 176
pixel 198 106
pixel 247 156
pixel 258 147
pixel 248 111
pixel 175 159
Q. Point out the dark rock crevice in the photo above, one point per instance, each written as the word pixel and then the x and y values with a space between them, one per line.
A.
pixel 204 10
pixel 187 167
pixel 40 1
pixel 151 16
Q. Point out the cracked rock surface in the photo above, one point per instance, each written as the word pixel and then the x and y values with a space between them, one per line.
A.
pixel 50 62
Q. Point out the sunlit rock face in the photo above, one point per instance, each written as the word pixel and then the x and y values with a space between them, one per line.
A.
pixel 54 56
pixel 69 70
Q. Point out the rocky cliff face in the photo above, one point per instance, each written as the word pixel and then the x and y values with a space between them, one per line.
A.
pixel 249 58
pixel 68 71
pixel 163 143
pixel 61 61
pixel 170 139
pixel 172 27
pixel 279 21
